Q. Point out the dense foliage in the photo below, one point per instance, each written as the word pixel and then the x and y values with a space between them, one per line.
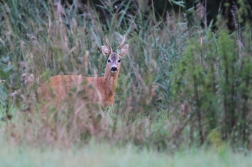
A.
pixel 178 86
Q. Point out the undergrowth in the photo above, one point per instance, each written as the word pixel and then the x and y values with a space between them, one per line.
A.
pixel 176 87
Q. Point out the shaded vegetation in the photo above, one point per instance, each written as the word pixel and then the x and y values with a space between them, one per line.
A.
pixel 178 86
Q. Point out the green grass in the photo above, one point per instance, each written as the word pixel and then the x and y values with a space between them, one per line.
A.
pixel 103 155
pixel 177 87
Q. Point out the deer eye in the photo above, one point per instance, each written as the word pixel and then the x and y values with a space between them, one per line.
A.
pixel 109 61
pixel 119 61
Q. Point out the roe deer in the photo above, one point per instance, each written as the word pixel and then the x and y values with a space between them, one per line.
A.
pixel 97 89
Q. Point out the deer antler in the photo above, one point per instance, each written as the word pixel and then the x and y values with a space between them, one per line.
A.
pixel 121 44
pixel 107 41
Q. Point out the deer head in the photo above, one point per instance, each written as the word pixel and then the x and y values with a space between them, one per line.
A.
pixel 113 58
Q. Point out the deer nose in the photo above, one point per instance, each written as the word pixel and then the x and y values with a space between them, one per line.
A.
pixel 113 69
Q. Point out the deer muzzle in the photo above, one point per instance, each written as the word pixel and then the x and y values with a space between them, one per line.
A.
pixel 113 69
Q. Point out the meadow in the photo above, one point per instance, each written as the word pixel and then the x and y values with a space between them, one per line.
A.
pixel 103 155
pixel 183 96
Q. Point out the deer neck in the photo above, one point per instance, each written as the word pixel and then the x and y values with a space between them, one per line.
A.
pixel 110 80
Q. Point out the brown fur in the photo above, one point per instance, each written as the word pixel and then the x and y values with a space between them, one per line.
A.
pixel 100 90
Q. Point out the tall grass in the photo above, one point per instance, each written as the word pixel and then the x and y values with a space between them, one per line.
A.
pixel 176 86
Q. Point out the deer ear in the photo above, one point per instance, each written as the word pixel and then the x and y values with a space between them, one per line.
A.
pixel 124 50
pixel 105 50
